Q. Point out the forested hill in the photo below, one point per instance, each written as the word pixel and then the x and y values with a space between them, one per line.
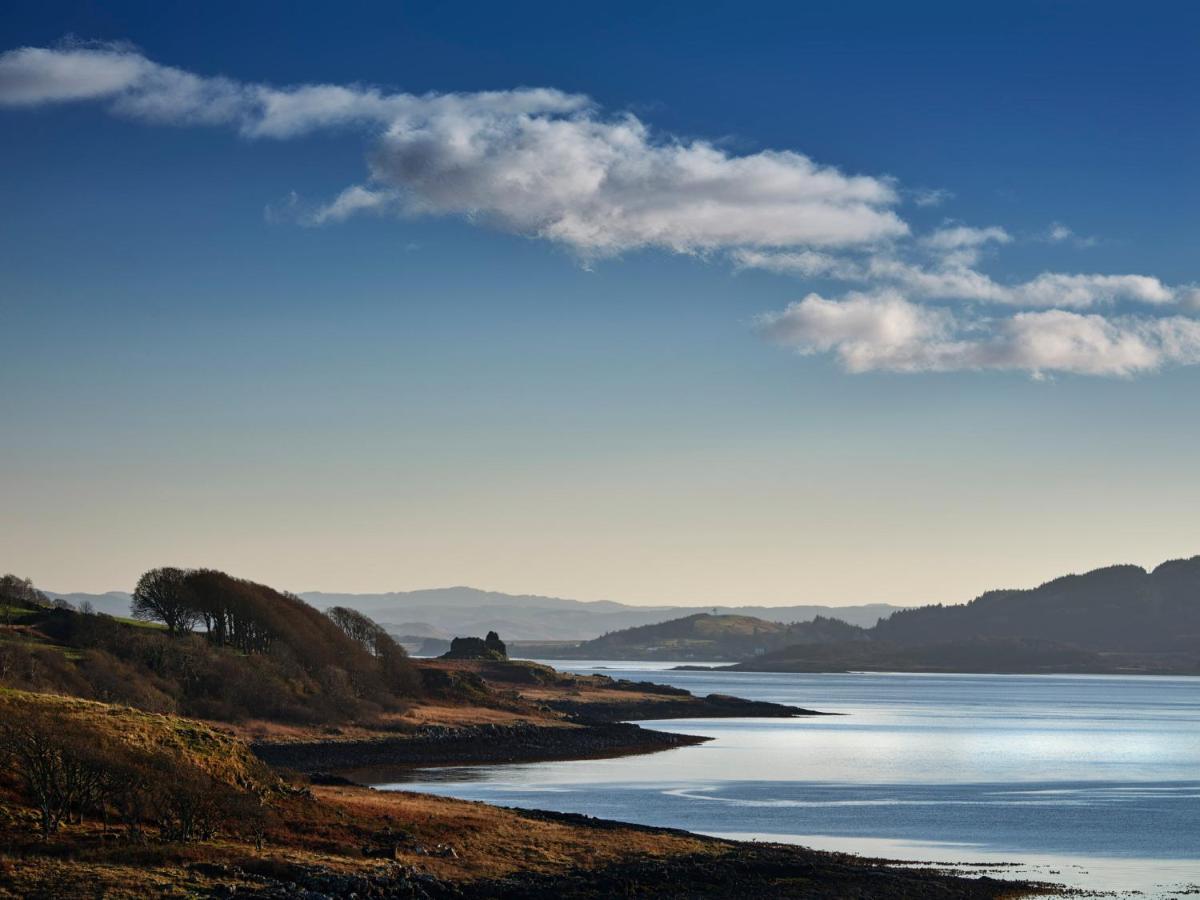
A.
pixel 207 645
pixel 702 637
pixel 1116 608
pixel 1116 619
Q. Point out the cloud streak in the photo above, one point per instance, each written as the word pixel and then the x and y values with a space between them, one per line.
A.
pixel 886 332
pixel 535 161
pixel 958 281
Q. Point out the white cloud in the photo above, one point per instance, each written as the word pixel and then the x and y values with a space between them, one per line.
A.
pixel 886 332
pixel 867 331
pixel 807 263
pixel 352 200
pixel 961 245
pixel 533 161
pixel 1050 289
pixel 1058 233
pixel 1058 289
pixel 955 281
pixel 545 163
pixel 32 75
pixel 958 237
pixel 930 196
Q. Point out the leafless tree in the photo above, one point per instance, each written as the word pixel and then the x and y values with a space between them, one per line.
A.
pixel 31 742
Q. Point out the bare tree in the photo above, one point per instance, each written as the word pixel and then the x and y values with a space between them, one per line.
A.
pixel 30 742
pixel 162 595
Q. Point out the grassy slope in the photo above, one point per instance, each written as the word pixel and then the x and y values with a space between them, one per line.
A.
pixel 197 744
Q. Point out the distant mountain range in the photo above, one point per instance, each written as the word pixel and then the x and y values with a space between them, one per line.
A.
pixel 113 603
pixel 459 611
pixel 456 611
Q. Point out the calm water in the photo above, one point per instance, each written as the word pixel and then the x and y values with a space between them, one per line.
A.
pixel 1089 780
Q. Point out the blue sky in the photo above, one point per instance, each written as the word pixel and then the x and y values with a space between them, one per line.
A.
pixel 869 397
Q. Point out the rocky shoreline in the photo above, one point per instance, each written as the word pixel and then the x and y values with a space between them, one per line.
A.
pixel 687 706
pixel 732 870
pixel 440 745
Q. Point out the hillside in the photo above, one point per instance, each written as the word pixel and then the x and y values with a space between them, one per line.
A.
pixel 207 645
pixel 1118 608
pixel 702 636
pixel 1115 619
pixel 188 746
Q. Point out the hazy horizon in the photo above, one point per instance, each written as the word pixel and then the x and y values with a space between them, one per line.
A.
pixel 808 601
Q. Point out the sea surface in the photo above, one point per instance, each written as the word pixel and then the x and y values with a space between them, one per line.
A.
pixel 1092 781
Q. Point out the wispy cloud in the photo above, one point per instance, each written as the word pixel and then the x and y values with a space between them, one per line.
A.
pixel 533 161
pixel 1058 233
pixel 545 163
pixel 930 196
pixel 956 281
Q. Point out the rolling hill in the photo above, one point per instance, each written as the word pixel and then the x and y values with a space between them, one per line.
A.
pixel 702 636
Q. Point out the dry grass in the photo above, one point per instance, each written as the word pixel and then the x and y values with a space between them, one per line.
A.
pixel 492 842
pixel 194 743
pixel 328 830
pixel 390 724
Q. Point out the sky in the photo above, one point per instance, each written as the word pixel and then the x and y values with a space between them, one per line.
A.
pixel 683 303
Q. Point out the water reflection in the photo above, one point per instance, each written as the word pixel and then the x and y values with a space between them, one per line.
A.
pixel 1092 776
